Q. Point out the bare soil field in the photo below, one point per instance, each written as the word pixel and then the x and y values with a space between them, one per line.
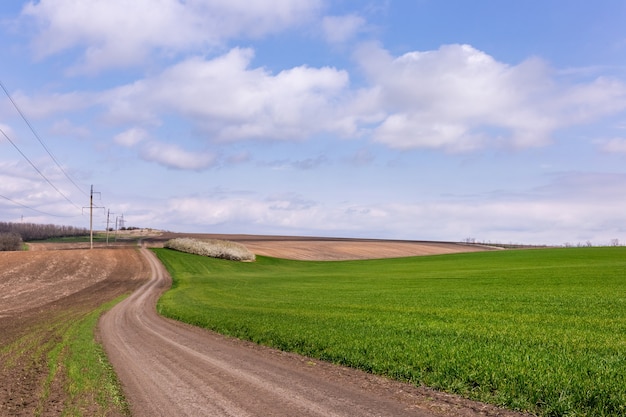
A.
pixel 38 287
pixel 330 249
pixel 168 368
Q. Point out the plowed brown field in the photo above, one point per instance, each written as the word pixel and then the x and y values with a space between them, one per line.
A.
pixel 332 249
pixel 37 290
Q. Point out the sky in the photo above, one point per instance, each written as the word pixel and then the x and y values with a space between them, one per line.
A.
pixel 445 120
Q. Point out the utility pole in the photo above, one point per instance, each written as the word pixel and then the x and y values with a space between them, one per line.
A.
pixel 108 215
pixel 91 218
pixel 119 223
pixel 91 206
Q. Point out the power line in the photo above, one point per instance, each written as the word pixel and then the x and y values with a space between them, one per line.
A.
pixel 33 209
pixel 32 129
pixel 37 169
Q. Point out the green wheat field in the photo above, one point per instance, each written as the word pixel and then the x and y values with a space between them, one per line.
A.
pixel 542 331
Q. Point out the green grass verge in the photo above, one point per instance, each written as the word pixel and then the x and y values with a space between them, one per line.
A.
pixel 91 377
pixel 535 330
pixel 66 347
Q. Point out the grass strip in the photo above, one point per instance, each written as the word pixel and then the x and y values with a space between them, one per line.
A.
pixel 65 346
pixel 91 378
pixel 542 331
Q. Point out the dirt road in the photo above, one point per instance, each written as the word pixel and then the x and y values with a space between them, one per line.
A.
pixel 171 369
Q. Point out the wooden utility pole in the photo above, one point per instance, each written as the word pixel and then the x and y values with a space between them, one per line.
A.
pixel 91 218
pixel 108 216
pixel 91 206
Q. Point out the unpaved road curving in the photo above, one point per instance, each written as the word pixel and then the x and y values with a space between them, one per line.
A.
pixel 171 369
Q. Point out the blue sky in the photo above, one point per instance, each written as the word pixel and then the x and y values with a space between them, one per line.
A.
pixel 426 120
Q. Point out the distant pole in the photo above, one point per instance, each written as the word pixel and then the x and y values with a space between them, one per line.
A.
pixel 91 218
pixel 108 214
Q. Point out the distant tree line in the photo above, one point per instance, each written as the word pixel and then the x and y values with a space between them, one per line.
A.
pixel 33 231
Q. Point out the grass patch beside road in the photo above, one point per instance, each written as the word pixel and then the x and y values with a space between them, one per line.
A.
pixel 78 381
pixel 536 330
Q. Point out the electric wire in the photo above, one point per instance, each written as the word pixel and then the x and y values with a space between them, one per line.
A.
pixel 37 169
pixel 32 129
pixel 33 209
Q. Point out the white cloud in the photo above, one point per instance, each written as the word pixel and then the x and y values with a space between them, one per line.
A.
pixel 338 29
pixel 536 217
pixel 65 127
pixel 6 130
pixel 173 156
pixel 166 154
pixel 455 98
pixel 230 101
pixel 30 196
pixel 46 105
pixel 130 137
pixel 118 33
pixel 614 145
pixel 460 98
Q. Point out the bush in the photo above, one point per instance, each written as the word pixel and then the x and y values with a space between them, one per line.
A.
pixel 10 241
pixel 212 248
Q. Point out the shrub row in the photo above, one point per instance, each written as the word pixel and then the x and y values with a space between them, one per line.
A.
pixel 33 231
pixel 212 248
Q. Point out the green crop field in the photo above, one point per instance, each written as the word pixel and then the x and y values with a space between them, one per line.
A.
pixel 537 330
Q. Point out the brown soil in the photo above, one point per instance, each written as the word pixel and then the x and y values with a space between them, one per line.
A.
pixel 39 291
pixel 168 368
pixel 331 249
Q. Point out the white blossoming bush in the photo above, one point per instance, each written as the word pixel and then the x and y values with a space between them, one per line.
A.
pixel 213 248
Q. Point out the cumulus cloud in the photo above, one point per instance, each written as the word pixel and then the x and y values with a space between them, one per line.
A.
pixel 118 33
pixel 230 101
pixel 455 98
pixel 303 164
pixel 6 130
pixel 172 156
pixel 27 195
pixel 338 29
pixel 67 128
pixel 169 155
pixel 566 208
pixel 130 137
pixel 614 145
pixel 45 105
pixel 460 98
